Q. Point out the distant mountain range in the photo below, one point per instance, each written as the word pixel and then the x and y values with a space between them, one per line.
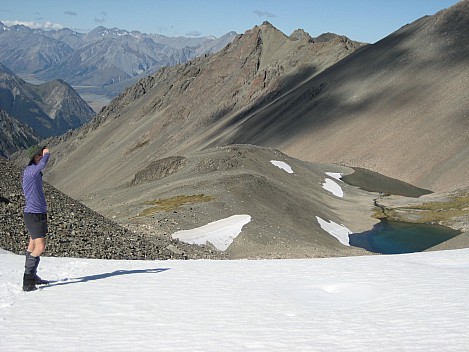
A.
pixel 99 65
pixel 103 60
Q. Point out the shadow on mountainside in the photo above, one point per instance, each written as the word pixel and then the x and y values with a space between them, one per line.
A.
pixel 104 276
pixel 394 72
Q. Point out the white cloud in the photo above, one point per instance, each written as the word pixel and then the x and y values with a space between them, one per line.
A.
pixel 33 25
pixel 50 25
pixel 194 34
pixel 264 13
pixel 101 19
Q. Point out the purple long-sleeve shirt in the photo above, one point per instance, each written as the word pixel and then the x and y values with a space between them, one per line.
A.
pixel 32 187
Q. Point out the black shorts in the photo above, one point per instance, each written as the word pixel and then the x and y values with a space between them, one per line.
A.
pixel 36 225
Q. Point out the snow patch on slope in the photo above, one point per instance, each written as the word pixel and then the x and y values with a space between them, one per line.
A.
pixel 219 233
pixel 282 165
pixel 338 231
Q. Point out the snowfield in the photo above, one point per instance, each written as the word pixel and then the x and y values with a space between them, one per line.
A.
pixel 408 302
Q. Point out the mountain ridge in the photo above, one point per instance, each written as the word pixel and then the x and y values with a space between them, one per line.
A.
pixel 210 129
pixel 410 87
pixel 171 110
pixel 50 108
pixel 105 56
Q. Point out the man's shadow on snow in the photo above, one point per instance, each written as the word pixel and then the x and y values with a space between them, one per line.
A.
pixel 82 279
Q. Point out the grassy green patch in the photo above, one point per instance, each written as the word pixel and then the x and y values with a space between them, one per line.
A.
pixel 174 203
pixel 379 214
pixel 429 212
pixel 438 211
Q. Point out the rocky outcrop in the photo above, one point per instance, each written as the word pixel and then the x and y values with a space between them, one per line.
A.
pixel 449 209
pixel 159 169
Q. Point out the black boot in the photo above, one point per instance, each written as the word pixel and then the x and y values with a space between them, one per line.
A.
pixel 31 265
pixel 39 281
pixel 29 283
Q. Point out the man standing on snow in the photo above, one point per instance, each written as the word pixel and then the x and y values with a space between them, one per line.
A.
pixel 35 215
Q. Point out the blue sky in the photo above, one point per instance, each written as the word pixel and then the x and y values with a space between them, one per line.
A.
pixel 362 20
